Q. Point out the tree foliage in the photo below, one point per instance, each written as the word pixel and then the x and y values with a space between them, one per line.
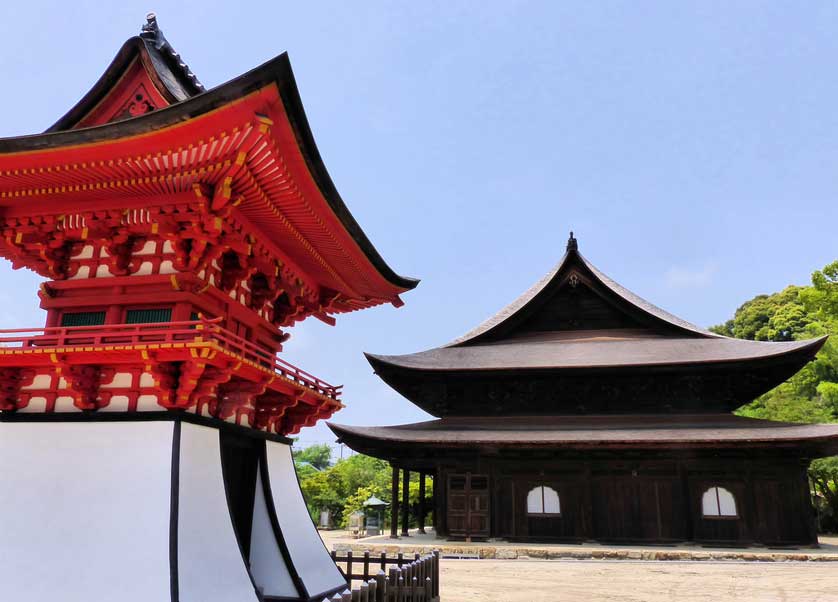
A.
pixel 342 489
pixel 318 456
pixel 811 395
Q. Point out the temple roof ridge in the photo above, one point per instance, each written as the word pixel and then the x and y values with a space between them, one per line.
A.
pixel 151 33
pixel 572 254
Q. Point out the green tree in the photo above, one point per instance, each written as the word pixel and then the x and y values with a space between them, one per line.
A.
pixel 811 395
pixel 344 487
pixel 318 456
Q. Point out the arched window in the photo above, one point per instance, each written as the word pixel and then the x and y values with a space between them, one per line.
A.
pixel 718 502
pixel 543 500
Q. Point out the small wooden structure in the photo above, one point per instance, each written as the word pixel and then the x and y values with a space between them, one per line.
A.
pixel 582 412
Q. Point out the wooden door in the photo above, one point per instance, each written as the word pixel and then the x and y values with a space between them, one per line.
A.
pixel 468 505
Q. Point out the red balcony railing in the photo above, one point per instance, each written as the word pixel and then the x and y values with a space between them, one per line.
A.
pixel 162 333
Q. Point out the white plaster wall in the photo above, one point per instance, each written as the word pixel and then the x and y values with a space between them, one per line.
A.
pixel 118 403
pixel 148 403
pixel 310 557
pixel 41 381
pixel 37 405
pixel 266 562
pixel 86 510
pixel 121 380
pixel 210 564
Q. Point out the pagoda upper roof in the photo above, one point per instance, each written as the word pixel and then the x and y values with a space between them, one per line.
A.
pixel 155 59
pixel 248 138
pixel 576 317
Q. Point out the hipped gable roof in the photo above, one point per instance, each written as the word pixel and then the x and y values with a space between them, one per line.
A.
pixel 648 337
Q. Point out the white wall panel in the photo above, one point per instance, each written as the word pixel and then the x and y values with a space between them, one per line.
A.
pixel 86 511
pixel 313 563
pixel 210 565
pixel 267 564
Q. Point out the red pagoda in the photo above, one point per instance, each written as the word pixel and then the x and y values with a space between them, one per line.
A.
pixel 583 412
pixel 181 233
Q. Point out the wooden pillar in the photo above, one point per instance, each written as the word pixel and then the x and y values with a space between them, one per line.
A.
pixel 439 512
pixel 405 502
pixel 587 503
pixel 421 516
pixel 394 504
pixel 687 504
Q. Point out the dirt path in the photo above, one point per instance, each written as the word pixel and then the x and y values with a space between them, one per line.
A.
pixel 624 581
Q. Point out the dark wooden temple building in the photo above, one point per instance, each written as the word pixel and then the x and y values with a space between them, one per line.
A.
pixel 582 412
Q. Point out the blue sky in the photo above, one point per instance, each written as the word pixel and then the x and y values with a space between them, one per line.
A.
pixel 693 147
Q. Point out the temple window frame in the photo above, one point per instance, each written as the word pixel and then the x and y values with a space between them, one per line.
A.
pixel 721 496
pixel 544 501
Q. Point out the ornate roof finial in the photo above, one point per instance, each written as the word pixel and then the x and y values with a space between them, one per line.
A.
pixel 152 35
pixel 572 243
pixel 150 29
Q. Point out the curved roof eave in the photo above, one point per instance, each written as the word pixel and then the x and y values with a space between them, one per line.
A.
pixel 802 351
pixel 468 432
pixel 275 71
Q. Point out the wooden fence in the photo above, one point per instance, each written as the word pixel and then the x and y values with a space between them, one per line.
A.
pixel 388 579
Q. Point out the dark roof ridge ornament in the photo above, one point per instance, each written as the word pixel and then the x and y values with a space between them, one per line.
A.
pixel 152 34
pixel 151 31
pixel 572 243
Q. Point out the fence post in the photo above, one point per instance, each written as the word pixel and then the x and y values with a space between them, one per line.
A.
pixel 393 585
pixel 349 574
pixel 400 558
pixel 429 589
pixel 383 561
pixel 366 565
pixel 364 592
pixel 346 596
pixel 381 586
pixel 373 590
pixel 436 573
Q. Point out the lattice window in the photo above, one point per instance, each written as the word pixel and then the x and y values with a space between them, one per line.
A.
pixel 148 316
pixel 83 318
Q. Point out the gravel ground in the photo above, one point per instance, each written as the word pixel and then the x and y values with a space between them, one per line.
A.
pixel 625 581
